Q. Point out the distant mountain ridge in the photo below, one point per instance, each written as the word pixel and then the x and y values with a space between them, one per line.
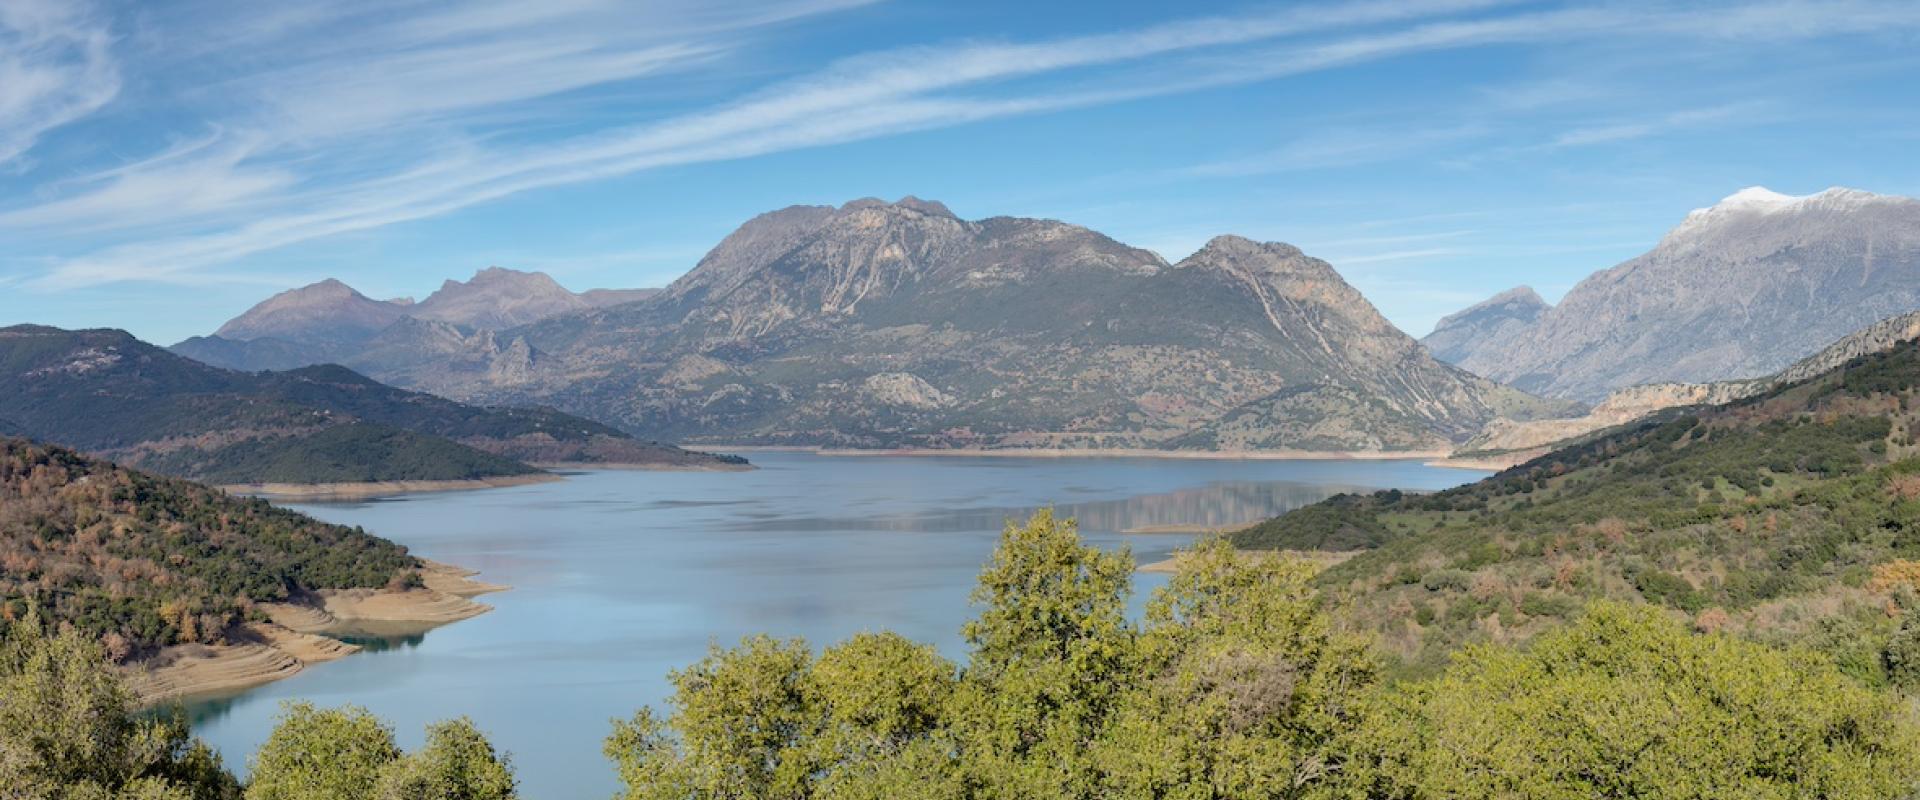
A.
pixel 1495 319
pixel 106 392
pixel 1738 290
pixel 1517 441
pixel 883 325
pixel 329 321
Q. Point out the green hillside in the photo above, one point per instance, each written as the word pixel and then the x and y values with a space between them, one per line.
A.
pixel 143 561
pixel 106 392
pixel 1785 516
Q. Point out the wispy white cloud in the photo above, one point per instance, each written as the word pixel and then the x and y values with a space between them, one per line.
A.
pixel 1665 123
pixel 1396 255
pixel 55 67
pixel 855 99
pixel 1339 147
pixel 428 115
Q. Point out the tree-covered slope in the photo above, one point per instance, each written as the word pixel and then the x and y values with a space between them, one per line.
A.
pixel 143 561
pixel 104 391
pixel 1787 514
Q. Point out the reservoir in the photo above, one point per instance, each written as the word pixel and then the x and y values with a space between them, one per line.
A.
pixel 620 576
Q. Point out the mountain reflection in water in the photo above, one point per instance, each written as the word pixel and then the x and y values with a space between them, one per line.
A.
pixel 1216 506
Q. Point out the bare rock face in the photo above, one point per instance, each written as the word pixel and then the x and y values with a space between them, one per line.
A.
pixel 905 390
pixel 1495 321
pixel 514 364
pixel 1738 290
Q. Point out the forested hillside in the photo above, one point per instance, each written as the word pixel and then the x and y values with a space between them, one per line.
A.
pixel 1791 515
pixel 141 561
pixel 106 392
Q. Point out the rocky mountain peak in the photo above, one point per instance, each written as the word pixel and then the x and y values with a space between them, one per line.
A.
pixel 497 298
pixel 327 310
pixel 1494 319
pixel 932 207
pixel 929 207
pixel 1760 204
pixel 1519 302
pixel 1273 260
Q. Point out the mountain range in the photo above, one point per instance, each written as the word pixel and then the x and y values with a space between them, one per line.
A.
pixel 887 325
pixel 105 392
pixel 329 321
pixel 1738 290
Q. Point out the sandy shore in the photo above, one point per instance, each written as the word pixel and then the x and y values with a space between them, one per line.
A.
pixel 302 634
pixel 1224 455
pixel 359 491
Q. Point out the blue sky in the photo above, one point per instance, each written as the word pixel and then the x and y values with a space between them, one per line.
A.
pixel 165 165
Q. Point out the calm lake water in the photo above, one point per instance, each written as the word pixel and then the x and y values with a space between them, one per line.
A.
pixel 620 576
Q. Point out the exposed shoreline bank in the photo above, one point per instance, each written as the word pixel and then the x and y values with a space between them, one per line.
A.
pixel 591 465
pixel 367 489
pixel 301 634
pixel 363 490
pixel 1221 455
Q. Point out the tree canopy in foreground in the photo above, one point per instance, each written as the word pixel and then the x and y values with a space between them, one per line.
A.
pixel 1237 684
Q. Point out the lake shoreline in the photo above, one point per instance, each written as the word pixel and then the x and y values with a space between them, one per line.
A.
pixel 302 634
pixel 575 466
pixel 1216 455
pixel 361 490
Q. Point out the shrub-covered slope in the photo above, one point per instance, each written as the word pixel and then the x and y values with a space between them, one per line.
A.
pixel 1752 515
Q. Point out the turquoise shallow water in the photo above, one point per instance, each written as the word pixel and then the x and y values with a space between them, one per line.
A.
pixel 621 576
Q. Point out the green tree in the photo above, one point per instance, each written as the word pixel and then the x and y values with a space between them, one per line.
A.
pixel 1052 653
pixel 458 763
pixel 1901 656
pixel 883 701
pixel 322 754
pixel 1246 690
pixel 68 728
pixel 1629 703
pixel 746 718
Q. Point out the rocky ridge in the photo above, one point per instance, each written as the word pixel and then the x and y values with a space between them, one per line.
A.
pixel 1738 290
pixel 889 325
